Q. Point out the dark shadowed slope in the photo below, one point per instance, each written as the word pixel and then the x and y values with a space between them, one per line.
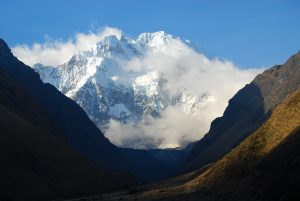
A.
pixel 174 157
pixel 77 128
pixel 148 166
pixel 34 163
pixel 246 111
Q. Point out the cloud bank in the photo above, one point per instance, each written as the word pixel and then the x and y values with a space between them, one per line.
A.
pixel 54 52
pixel 180 65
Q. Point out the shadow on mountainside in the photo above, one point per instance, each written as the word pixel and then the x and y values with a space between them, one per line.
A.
pixel 244 114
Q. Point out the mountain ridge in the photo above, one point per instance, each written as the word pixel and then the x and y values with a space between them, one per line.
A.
pixel 64 113
pixel 35 161
pixel 246 111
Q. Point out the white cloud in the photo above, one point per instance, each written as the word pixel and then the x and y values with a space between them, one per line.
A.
pixel 55 52
pixel 174 128
pixel 182 67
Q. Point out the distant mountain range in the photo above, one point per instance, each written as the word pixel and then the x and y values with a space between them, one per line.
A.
pixel 98 81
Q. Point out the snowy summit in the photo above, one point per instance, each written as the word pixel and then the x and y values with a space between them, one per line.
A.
pixel 110 83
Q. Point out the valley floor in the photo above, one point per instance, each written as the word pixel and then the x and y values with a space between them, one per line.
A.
pixel 163 190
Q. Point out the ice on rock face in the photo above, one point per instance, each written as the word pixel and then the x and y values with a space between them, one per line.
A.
pixel 109 45
pixel 97 81
pixel 48 74
pixel 155 40
pixel 148 84
pixel 119 110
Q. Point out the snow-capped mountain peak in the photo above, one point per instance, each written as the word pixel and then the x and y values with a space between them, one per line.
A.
pixel 108 45
pixel 155 40
pixel 97 80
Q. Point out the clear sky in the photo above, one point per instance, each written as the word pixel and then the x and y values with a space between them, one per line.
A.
pixel 252 33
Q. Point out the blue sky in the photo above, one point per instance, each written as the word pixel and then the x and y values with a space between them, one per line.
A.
pixel 251 34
